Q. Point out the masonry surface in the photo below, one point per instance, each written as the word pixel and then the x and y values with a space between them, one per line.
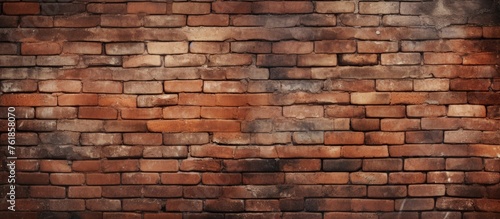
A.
pixel 252 109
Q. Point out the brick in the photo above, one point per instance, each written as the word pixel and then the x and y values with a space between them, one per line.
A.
pixel 84 192
pixel 445 177
pixel 140 178
pixel 56 166
pixel 335 46
pixel 359 20
pixel 163 191
pixel 9 21
pixel 368 178
pixel 185 60
pixel 142 139
pixel 47 192
pixel 37 21
pixel 67 178
pixel 482 178
pixel 167 47
pixel 292 47
pixel 151 113
pixel 462 136
pixel 86 166
pixel 77 100
pixel 200 165
pixel 308 138
pixel 461 32
pixel 82 48
pixel 14 86
pixel 103 179
pixel 190 8
pixel 401 20
pixel 377 46
pixel 317 60
pixel 387 191
pixel 485 98
pixel 27 165
pixel 466 111
pixel 77 21
pixel 112 87
pixel 379 7
pixel 370 98
pixel 209 47
pixel 316 178
pixel 21 8
pixel 342 165
pixel 8 48
pixel 167 152
pixel 147 7
pixel 358 59
pixel 231 138
pixel 372 205
pixel 365 151
pixel 218 20
pixel 379 138
pixel 141 61
pixel 426 190
pixel 491 164
pixel 442 58
pixel 446 203
pixel 382 165
pixel 415 204
pixel 229 60
pixel 103 204
pixel 124 48
pixel 66 60
pixel 469 84
pixel 67 205
pixel 251 47
pixel 219 112
pixel 150 87
pixel 431 85
pixel 221 178
pixel 472 191
pixel 62 8
pixel 123 191
pixel 71 86
pixel 157 100
pixel 425 110
pixel 108 8
pixel 185 112
pixel 276 60
pixel 299 165
pixel 345 111
pixel 121 21
pixel 32 178
pixel 165 21
pixel 59 138
pixel 399 124
pixel 334 7
pixel 423 137
pixel 121 151
pixel 262 205
pixel 41 48
pixel 385 111
pixel 120 165
pixel 10 60
pixel 424 164
pixel 180 178
pixel 102 60
pixel 342 138
pixel 400 59
pixel 447 98
pixel 287 7
pixel 407 178
pixel 263 178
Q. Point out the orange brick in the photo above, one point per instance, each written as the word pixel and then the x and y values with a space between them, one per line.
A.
pixel 218 20
pixel 209 47
pixel 301 112
pixel 385 137
pixel 317 60
pixel 21 8
pixel 335 46
pixel 82 48
pixel 141 61
pixel 385 111
pixel 399 124
pixel 67 178
pixel 358 59
pixel 400 59
pixel 190 8
pixel 78 100
pixel 154 100
pixel 41 48
pixel 193 125
pixel 467 111
pixel 292 47
pixel 425 110
pixel 147 87
pixel 167 47
pixel 431 85
pixel 370 98
pixel 342 138
pixel 117 100
pixel 149 113
pixel 182 112
pixel 97 113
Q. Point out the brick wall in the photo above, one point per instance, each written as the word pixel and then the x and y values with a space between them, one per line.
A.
pixel 252 109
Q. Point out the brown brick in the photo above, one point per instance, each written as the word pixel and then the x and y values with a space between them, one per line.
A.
pixel 103 179
pixel 41 48
pixel 37 21
pixel 120 165
pixel 406 178
pixel 97 113
pixel 470 84
pixel 317 178
pixel 86 166
pixel 287 7
pixel 142 138
pixel 358 59
pixel 466 111
pixel 10 60
pixel 276 60
pixel 399 124
pixel 200 165
pixel 365 151
pixel 365 124
pixel 12 86
pixel 165 21
pixel 425 110
pixel 370 98
pixel 167 47
pixel 400 59
pixel 415 204
pixel 385 138
pixel 462 136
pixel 190 8
pixel 368 178
pixel 482 177
pixel 71 86
pixel 431 85
pixel 377 47
pixel 387 191
pixel 156 100
pixel 66 60
pixel 424 164
pixel 335 46
pixel 21 8
pixel 251 47
pixel 446 203
pixel 229 60
pixel 108 8
pixel 181 112
pixel 263 178
pixel 84 192
pixel 359 20
pixel 82 48
pixel 141 61
pixel 426 190
pixel 342 138
pixel 102 60
pixel 335 7
pixel 77 100
pixel 67 178
pixel 147 7
pixel 383 165
pixel 292 47
pixel 184 205
pixel 379 7
pixel 180 178
pixel 47 192
pixel 219 20
pixel 345 111
pixel 150 113
pixel 424 137
pixel 442 58
pixel 317 60
pixel 103 204
pixel 140 178
pixel 445 177
pixel 159 165
pixel 184 60
pixel 372 205
pixel 121 21
pixel 57 166
pixel 124 48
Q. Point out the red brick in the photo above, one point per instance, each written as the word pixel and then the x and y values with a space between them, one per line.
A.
pixel 372 205
pixel 377 46
pixel 335 46
pixel 335 7
pixel 219 112
pixel 400 59
pixel 406 178
pixel 345 111
pixel 415 204
pixel 37 21
pixel 409 98
pixel 342 138
pixel 425 110
pixel 100 139
pixel 317 60
pixel 77 100
pixel 292 47
pixel 147 7
pixel 491 165
pixel 112 215
pixel 103 204
pixel 368 178
pixel 470 84
pixel 365 151
pixel 165 21
pixel 97 113
pixel 221 178
pixel 67 178
pixel 446 203
pixel 102 60
pixel 82 48
pixel 180 178
pixel 154 100
pixel 190 8
pixel 229 60
pixel 317 178
pixel 486 98
pixel 162 191
pixel 182 112
pixel 467 111
pixel 232 7
pixel 464 164
pixel 184 205
pixel 426 190
pixel 120 165
pixel 286 7
pixel 358 59
pixel 386 191
pixel 103 179
pixel 84 192
pixel 167 152
pixel 445 177
pixel 424 164
pixel 193 125
pixel 379 7
pixel 200 165
pixel 133 113
pixel 140 178
pixel 67 205
pixel 385 138
pixel 57 166
pixel 28 100
pixel 159 165
pixel 120 21
pixel 142 139
pixel 108 8
pixel 218 20
pixel 47 192
pixel 482 177
pixel 12 86
pixel 86 166
pixel 41 48
pixel 21 8
pixel 442 58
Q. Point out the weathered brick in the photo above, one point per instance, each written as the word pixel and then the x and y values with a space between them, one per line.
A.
pixel 359 20
pixel 377 47
pixel 167 47
pixel 335 7
pixel 335 46
pixel 184 60
pixel 121 21
pixel 190 8
pixel 157 100
pixel 141 61
pixel 66 60
pixel 147 7
pixel 368 178
pixel 400 59
pixel 431 85
pixel 165 21
pixel 358 59
pixel 287 7
pixel 41 48
pixel 108 8
pixel 208 20
pixel 21 8
pixel 251 47
pixel 466 111
pixel 379 7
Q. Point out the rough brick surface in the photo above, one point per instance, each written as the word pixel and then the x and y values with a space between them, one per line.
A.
pixel 337 109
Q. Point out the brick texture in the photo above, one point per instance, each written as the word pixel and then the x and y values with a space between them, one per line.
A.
pixel 337 109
